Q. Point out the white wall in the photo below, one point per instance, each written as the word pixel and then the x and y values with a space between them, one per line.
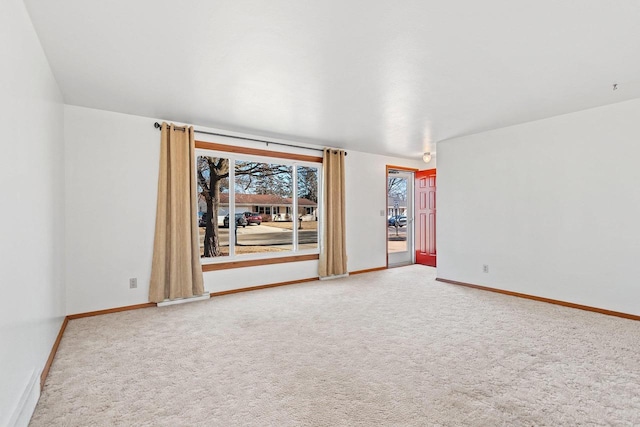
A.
pixel 110 187
pixel 366 196
pixel 552 206
pixel 111 190
pixel 31 218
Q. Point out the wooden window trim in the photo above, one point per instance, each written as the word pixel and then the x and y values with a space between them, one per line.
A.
pixel 257 262
pixel 256 151
pixel 264 153
pixel 401 168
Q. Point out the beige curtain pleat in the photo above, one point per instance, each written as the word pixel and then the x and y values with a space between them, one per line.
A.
pixel 175 269
pixel 333 256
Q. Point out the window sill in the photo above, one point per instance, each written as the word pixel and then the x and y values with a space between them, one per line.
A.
pixel 257 262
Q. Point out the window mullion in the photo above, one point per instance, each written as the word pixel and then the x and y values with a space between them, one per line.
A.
pixel 320 205
pixel 232 207
pixel 294 207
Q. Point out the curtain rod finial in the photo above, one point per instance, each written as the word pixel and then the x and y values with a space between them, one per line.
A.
pixel 157 125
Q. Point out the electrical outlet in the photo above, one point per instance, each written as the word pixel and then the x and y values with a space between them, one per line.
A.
pixel 381 212
pixel 133 283
pixel 485 268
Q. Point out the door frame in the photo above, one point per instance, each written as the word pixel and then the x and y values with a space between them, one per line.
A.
pixel 386 204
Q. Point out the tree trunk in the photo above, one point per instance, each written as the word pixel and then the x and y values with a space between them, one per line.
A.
pixel 211 235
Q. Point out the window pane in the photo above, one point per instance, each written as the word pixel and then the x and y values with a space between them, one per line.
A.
pixel 397 219
pixel 263 193
pixel 307 207
pixel 213 205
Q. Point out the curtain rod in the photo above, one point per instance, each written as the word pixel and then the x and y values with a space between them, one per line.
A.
pixel 158 126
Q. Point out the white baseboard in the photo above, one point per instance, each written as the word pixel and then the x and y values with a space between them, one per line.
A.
pixel 27 403
pixel 202 297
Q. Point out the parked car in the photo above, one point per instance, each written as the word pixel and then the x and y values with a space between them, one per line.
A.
pixel 253 218
pixel 401 221
pixel 241 221
pixel 202 219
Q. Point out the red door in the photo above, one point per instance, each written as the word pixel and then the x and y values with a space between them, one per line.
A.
pixel 426 217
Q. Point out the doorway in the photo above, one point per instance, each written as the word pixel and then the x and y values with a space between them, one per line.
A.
pixel 400 235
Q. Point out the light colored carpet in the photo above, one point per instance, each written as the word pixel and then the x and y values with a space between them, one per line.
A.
pixel 378 349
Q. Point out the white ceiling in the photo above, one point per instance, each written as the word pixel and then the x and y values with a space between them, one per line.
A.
pixel 388 77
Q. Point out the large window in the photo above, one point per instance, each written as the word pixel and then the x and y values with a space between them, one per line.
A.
pixel 254 207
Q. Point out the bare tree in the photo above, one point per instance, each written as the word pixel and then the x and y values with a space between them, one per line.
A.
pixel 397 188
pixel 263 178
pixel 308 183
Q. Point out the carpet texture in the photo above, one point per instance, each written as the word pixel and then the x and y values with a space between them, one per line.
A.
pixel 390 348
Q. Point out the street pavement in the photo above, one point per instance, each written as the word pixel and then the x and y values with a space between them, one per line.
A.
pixel 277 238
pixel 264 235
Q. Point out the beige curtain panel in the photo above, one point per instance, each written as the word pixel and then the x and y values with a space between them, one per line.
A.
pixel 175 270
pixel 333 257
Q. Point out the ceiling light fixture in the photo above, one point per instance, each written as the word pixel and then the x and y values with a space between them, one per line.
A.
pixel 426 157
